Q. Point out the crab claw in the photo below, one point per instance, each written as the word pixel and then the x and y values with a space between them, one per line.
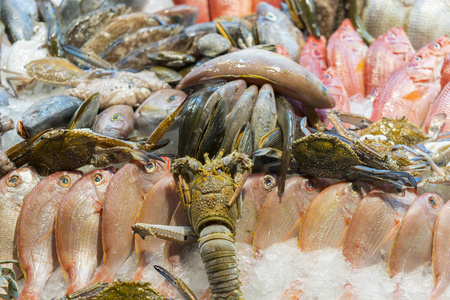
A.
pixel 184 290
pixel 398 178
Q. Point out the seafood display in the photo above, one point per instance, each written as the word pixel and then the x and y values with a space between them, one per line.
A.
pixel 240 149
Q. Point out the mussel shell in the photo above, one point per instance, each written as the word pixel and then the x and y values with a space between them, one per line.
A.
pixel 168 75
pixel 51 112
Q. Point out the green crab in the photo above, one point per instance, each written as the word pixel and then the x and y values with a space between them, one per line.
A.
pixel 9 276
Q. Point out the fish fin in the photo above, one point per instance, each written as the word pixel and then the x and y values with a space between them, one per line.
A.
pixel 294 231
pixel 414 95
pixel 360 66
pixel 390 236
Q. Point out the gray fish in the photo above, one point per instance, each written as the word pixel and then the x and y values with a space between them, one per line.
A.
pixel 19 17
pixel 132 41
pixel 156 107
pixel 168 75
pixel 171 58
pixel 116 121
pixel 51 112
pixel 264 116
pixel 274 27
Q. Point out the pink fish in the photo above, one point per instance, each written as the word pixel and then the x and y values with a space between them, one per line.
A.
pixel 314 55
pixel 335 86
pixel 445 73
pixel 345 53
pixel 388 52
pixel 410 90
pixel 440 105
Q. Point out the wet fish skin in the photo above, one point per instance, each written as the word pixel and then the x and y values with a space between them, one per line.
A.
pixel 345 53
pixel 259 67
pixel 157 208
pixel 116 121
pixel 78 227
pixel 185 15
pixel 440 105
pixel 325 223
pixel 441 253
pixel 445 73
pixel 19 17
pixel 410 90
pixel 314 55
pixel 274 27
pixel 14 186
pixel 388 52
pixel 413 243
pixel 254 194
pixel 374 224
pixel 36 232
pixel 123 201
pixel 156 107
pixel 280 219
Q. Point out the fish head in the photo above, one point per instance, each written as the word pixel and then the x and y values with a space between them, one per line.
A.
pixel 99 179
pixel 316 48
pixel 398 42
pixel 150 172
pixel 116 121
pixel 333 83
pixel 348 193
pixel 267 12
pixel 347 33
pixel 399 199
pixel 65 179
pixel 18 183
pixel 425 66
pixel 258 186
pixel 430 204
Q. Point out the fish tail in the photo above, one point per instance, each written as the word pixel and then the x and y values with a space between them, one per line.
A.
pixel 30 292
pixel 139 274
pixel 103 274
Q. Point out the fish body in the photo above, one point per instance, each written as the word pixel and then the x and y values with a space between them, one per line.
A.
pixel 123 201
pixel 259 67
pixel 14 186
pixel 280 219
pixel 326 221
pixel 441 253
pixel 274 27
pixel 388 52
pixel 345 53
pixel 78 227
pixel 314 55
pixel 374 224
pixel 440 105
pixel 410 90
pixel 19 18
pixel 254 193
pixel 445 73
pixel 36 233
pixel 413 243
pixel 158 207
pixel 264 116
pixel 116 121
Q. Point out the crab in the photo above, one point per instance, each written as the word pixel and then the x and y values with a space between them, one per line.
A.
pixel 9 276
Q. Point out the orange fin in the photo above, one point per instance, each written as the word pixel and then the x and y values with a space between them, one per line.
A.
pixel 413 96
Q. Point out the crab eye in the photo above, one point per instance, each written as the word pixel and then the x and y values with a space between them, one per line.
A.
pixel 14 181
pixel 269 182
pixel 271 17
pixel 171 98
pixel 150 167
pixel 356 188
pixel 116 117
pixel 64 181
pixel 97 178
pixel 432 202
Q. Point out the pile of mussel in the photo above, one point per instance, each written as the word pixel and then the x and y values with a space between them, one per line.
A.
pixel 157 133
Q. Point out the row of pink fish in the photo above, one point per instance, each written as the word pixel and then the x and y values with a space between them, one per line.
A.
pixel 390 74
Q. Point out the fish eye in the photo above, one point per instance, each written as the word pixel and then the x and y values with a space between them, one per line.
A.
pixel 171 98
pixel 310 184
pixel 271 17
pixel 417 58
pixel 150 167
pixel 324 89
pixel 14 181
pixel 356 188
pixel 390 33
pixel 328 76
pixel 116 117
pixel 269 182
pixel 432 202
pixel 437 46
pixel 64 181
pixel 97 178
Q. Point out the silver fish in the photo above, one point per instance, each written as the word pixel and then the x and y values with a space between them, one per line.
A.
pixel 116 121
